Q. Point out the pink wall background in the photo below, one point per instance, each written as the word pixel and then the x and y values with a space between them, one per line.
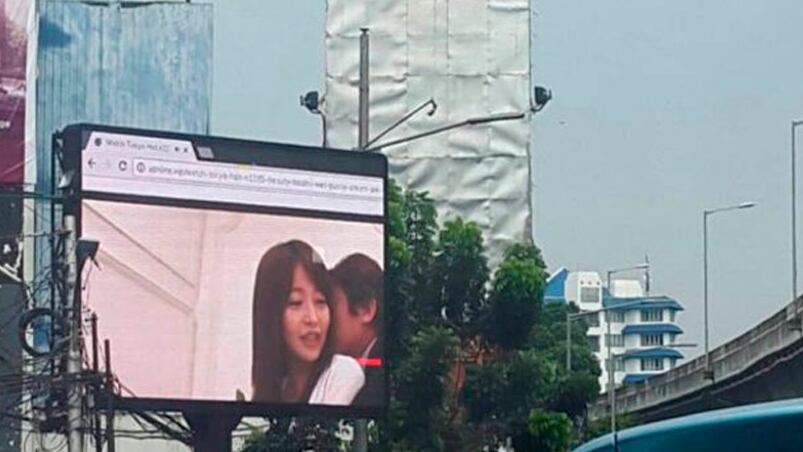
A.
pixel 174 289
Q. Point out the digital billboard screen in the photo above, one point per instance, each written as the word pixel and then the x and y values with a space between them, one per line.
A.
pixel 243 274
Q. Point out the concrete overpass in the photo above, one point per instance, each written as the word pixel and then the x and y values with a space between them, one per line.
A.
pixel 763 364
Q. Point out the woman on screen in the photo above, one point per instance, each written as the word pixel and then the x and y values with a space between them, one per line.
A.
pixel 293 360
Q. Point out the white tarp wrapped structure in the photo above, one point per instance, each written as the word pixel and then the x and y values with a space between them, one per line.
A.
pixel 473 58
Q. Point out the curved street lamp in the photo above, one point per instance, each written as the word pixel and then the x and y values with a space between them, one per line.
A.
pixel 709 373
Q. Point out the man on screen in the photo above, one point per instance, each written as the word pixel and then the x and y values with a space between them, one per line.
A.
pixel 357 293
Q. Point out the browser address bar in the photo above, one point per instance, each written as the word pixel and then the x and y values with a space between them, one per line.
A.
pixel 257 178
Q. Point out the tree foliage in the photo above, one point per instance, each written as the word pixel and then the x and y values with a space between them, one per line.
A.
pixel 288 434
pixel 547 431
pixel 460 273
pixel 419 399
pixel 420 231
pixel 602 426
pixel 518 289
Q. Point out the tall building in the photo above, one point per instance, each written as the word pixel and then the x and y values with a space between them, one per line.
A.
pixel 644 330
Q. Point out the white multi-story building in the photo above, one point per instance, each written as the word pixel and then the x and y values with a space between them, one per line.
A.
pixel 643 328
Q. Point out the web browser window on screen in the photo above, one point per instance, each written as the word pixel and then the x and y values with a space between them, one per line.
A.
pixel 233 272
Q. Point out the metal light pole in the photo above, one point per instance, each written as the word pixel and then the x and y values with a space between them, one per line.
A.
pixel 644 266
pixel 611 370
pixel 433 107
pixel 611 380
pixel 646 276
pixel 709 374
pixel 573 316
pixel 361 425
pixel 611 386
pixel 794 214
pixel 467 122
pixel 364 91
pixel 568 341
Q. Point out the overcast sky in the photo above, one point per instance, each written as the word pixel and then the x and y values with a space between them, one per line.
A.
pixel 661 110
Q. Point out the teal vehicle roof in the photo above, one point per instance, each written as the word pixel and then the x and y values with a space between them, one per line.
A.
pixel 773 426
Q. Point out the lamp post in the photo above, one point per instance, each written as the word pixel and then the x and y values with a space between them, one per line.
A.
pixel 611 385
pixel 709 374
pixel 569 318
pixel 576 315
pixel 794 214
pixel 611 370
pixel 645 266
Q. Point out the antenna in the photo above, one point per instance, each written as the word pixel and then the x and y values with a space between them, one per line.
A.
pixel 647 275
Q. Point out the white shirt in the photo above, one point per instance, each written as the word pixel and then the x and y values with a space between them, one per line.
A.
pixel 339 383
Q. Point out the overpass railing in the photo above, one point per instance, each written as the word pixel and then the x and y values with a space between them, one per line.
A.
pixel 728 360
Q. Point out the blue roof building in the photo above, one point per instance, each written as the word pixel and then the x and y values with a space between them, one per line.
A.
pixel 643 327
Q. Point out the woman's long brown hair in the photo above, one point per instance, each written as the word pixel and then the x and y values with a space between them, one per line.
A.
pixel 274 279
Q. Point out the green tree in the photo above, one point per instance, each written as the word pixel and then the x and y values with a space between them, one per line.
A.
pixel 526 252
pixel 574 389
pixel 398 289
pixel 530 370
pixel 549 338
pixel 287 434
pixel 411 230
pixel 460 273
pixel 516 295
pixel 420 229
pixel 499 395
pixel 573 393
pixel 547 431
pixel 417 415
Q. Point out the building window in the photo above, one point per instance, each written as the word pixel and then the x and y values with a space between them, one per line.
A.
pixel 651 315
pixel 671 316
pixel 592 320
pixel 651 364
pixel 618 363
pixel 614 340
pixel 589 295
pixel 616 316
pixel 593 342
pixel 652 339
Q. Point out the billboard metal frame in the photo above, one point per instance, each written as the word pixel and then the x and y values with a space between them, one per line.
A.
pixel 246 152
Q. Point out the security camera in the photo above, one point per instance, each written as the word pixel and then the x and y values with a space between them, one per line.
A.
pixel 541 96
pixel 311 101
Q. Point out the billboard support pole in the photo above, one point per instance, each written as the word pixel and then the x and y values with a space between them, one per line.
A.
pixel 107 352
pixel 211 433
pixel 361 425
pixel 364 91
pixel 96 431
pixel 72 310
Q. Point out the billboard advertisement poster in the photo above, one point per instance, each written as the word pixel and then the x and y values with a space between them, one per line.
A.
pixel 13 42
pixel 234 274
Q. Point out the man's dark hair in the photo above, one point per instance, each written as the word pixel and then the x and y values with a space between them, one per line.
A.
pixel 361 279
